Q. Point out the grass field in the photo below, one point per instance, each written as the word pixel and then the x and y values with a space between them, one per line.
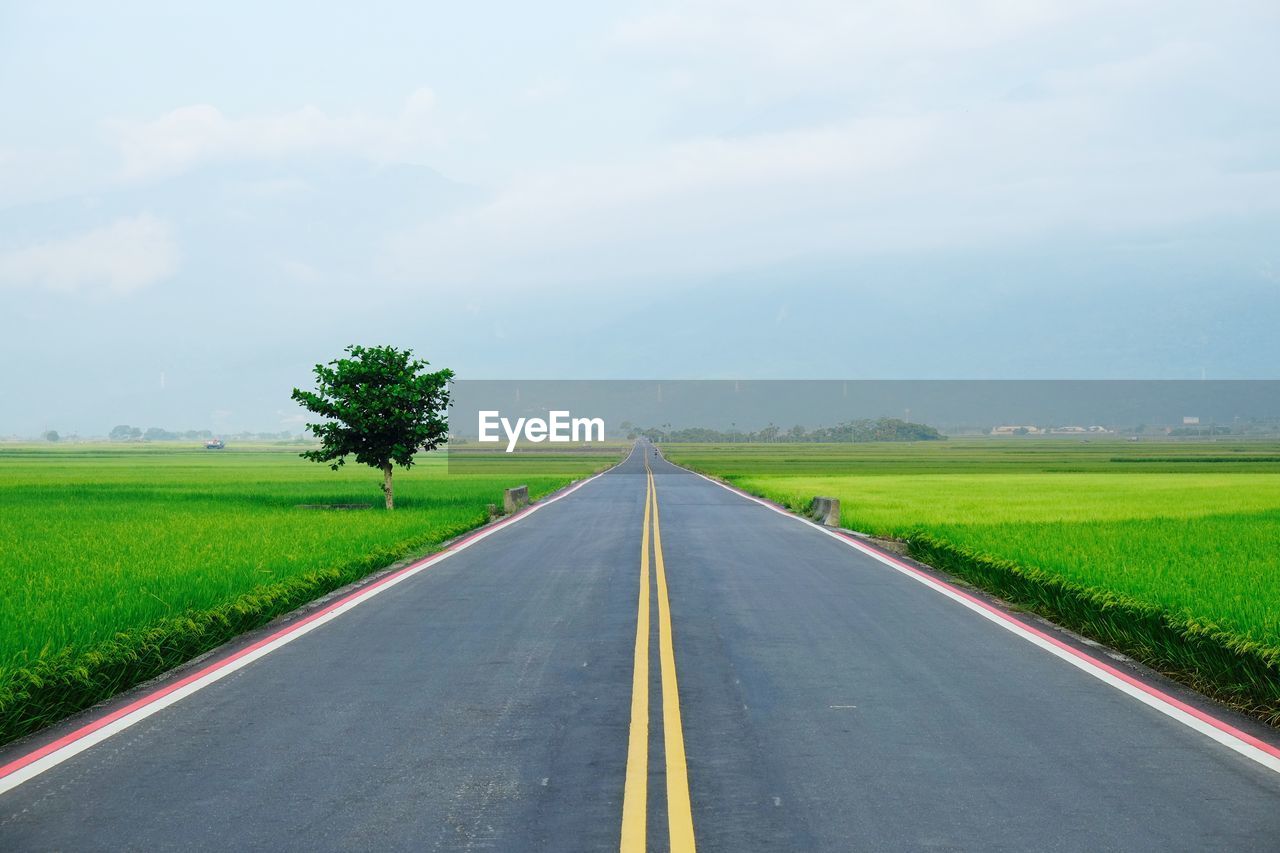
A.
pixel 1182 538
pixel 121 561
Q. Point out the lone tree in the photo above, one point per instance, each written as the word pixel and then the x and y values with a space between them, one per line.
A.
pixel 382 406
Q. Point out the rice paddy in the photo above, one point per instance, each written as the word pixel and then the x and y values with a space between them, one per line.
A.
pixel 116 557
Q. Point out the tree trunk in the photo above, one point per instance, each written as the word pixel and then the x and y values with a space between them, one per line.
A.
pixel 386 486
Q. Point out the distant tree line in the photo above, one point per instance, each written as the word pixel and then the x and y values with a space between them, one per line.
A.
pixel 124 432
pixel 867 429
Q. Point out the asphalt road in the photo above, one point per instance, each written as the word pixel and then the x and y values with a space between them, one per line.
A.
pixel 824 702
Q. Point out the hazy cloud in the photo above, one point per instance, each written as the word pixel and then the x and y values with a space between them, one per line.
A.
pixel 810 32
pixel 944 179
pixel 127 255
pixel 193 135
pixel 1026 187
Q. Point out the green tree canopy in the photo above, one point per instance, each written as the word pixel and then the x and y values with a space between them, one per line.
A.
pixel 382 406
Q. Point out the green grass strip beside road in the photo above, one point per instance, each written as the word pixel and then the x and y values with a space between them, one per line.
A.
pixel 1176 564
pixel 1238 671
pixel 122 562
pixel 58 685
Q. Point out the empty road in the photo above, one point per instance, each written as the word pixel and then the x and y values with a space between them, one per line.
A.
pixel 648 662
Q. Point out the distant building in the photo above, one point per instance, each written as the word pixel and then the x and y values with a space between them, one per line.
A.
pixel 214 444
pixel 1079 430
pixel 1016 430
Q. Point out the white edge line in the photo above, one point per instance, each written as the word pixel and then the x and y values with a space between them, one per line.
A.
pixel 58 756
pixel 1080 661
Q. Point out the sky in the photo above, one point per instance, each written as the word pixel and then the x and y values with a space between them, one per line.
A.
pixel 199 204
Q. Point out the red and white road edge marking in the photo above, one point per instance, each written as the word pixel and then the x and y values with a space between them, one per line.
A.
pixel 1209 726
pixel 52 754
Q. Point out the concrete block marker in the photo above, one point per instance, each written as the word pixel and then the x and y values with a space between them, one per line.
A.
pixel 825 511
pixel 515 498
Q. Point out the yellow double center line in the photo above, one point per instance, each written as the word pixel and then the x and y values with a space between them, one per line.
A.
pixel 636 792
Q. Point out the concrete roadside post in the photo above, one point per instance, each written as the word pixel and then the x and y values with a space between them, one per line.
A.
pixel 825 511
pixel 515 498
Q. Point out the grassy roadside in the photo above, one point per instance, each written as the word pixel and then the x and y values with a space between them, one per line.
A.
pixel 1176 564
pixel 60 683
pixel 1237 670
pixel 121 563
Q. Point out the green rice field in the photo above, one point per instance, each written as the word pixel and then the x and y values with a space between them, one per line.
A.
pixel 121 561
pixel 1187 534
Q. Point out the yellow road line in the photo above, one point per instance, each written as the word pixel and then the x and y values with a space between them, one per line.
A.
pixel 636 792
pixel 679 809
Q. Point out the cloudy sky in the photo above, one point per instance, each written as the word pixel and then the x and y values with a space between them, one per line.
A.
pixel 196 206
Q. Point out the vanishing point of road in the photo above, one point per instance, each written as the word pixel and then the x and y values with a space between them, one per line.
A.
pixel 651 661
